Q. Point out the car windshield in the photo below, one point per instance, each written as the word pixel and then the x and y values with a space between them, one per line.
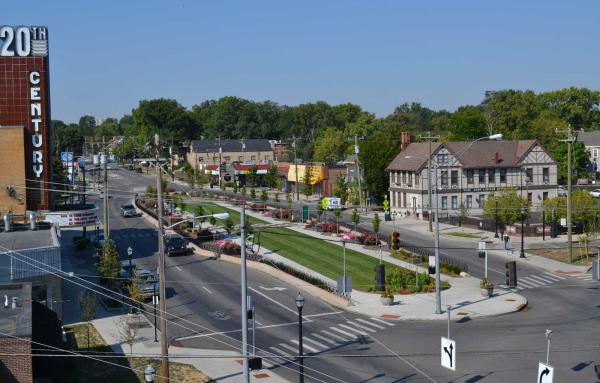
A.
pixel 128 207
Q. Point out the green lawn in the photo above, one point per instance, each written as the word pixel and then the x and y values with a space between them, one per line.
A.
pixel 463 235
pixel 318 255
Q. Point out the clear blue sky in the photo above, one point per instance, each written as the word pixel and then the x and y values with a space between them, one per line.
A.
pixel 107 55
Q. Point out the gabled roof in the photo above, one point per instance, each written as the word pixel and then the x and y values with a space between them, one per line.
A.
pixel 212 146
pixel 589 138
pixel 480 154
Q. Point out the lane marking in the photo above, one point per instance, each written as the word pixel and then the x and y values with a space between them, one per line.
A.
pixel 205 288
pixel 277 303
pixel 234 331
pixel 545 280
pixel 528 283
pixel 350 328
pixel 370 323
pixel 323 338
pixel 381 321
pixel 553 275
pixel 258 323
pixel 334 336
pixel 361 326
pixel 304 345
pixel 277 350
pixel 352 336
pixel 322 314
pixel 292 349
pixel 179 268
pixel 319 344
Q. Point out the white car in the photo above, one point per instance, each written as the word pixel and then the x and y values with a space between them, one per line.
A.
pixel 595 193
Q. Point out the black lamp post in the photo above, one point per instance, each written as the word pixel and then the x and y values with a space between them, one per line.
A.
pixel 300 304
pixel 522 255
pixel 130 254
pixel 496 216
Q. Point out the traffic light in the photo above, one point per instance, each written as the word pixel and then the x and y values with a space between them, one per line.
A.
pixel 511 273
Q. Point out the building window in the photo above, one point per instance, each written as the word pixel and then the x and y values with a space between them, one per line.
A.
pixel 545 196
pixel 454 177
pixel 444 177
pixel 454 202
pixel 529 196
pixel 546 174
pixel 492 176
pixel 416 179
pixel 481 200
pixel 266 158
pixel 444 203
pixel 410 178
pixel 470 176
pixel 227 158
pixel 481 176
pixel 442 158
pixel 241 158
pixel 403 177
pixel 502 175
pixel 529 175
pixel 595 152
pixel 469 201
pixel 253 158
pixel 200 159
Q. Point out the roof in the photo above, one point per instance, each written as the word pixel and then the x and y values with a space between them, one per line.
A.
pixel 480 154
pixel 15 321
pixel 589 138
pixel 251 145
pixel 27 239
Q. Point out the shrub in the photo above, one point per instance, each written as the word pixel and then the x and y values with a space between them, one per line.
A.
pixel 370 239
pixel 81 243
pixel 228 247
pixel 329 227
pixel 205 235
pixel 280 213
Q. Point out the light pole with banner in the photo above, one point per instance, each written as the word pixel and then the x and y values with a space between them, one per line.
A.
pixel 300 305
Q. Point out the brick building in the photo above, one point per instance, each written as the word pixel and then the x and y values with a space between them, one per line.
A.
pixel 15 334
pixel 204 153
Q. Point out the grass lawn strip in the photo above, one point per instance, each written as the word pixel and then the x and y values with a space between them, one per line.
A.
pixel 85 370
pixel 562 255
pixel 316 254
pixel 463 235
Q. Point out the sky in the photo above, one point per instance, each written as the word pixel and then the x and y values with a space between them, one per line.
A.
pixel 107 55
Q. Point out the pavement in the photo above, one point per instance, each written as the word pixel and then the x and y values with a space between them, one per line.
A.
pixel 464 296
pixel 220 365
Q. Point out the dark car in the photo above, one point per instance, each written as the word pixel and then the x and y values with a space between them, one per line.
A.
pixel 128 210
pixel 175 245
pixel 147 282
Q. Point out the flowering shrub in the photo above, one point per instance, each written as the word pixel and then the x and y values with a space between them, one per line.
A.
pixel 370 239
pixel 330 227
pixel 348 236
pixel 228 247
pixel 280 213
pixel 205 235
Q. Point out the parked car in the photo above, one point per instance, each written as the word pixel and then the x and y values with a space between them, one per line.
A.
pixel 128 210
pixel 148 282
pixel 562 191
pixel 175 244
pixel 127 268
pixel 595 193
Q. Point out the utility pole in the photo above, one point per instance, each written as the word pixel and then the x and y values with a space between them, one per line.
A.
pixel 569 140
pixel 246 372
pixel 106 227
pixel 164 346
pixel 358 175
pixel 296 167
pixel 429 138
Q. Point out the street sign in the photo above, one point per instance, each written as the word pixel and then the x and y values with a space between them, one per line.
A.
pixel 155 299
pixel 386 205
pixel 325 203
pixel 545 373
pixel 66 156
pixel 448 350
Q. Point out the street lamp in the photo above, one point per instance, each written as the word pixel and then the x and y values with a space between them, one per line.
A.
pixel 300 304
pixel 522 255
pixel 496 225
pixel 149 374
pixel 130 254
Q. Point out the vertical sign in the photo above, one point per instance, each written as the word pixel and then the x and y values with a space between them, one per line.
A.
pixel 448 351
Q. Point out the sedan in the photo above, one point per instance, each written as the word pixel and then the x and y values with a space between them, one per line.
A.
pixel 595 193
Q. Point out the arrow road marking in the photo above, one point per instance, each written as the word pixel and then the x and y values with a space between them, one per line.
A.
pixel 272 288
pixel 450 353
pixel 544 372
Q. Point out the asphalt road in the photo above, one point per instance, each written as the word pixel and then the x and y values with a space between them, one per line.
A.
pixel 204 295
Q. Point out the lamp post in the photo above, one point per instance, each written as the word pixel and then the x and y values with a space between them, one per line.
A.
pixel 149 374
pixel 130 254
pixel 300 304
pixel 522 255
pixel 496 224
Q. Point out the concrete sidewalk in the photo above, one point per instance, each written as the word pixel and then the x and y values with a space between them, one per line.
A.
pixel 464 296
pixel 225 366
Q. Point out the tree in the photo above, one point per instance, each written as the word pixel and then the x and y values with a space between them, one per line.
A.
pixel 463 213
pixel 577 106
pixel 342 189
pixel 165 117
pixel 288 199
pixel 136 295
pixel 320 211
pixel 66 138
pixel 244 191
pixel 307 187
pixel 87 302
pixel 467 124
pixel 331 146
pixel 271 178
pixel 252 177
pixel 584 208
pixel 109 265
pixel 376 222
pixel 229 224
pixel 253 193
pixel 276 198
pixel 87 126
pixel 108 128
pixel 264 197
pixel 127 335
pixel 337 213
pixel 355 218
pixel 509 206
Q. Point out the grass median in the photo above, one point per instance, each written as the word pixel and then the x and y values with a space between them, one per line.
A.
pixel 317 254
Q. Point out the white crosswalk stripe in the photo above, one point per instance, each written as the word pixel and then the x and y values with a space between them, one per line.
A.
pixel 528 283
pixel 334 336
pixel 304 345
pixel 381 321
pixel 369 329
pixel 541 279
pixel 370 323
pixel 554 276
pixel 351 336
pixel 315 335
pixel 360 332
pixel 293 350
pixel 319 344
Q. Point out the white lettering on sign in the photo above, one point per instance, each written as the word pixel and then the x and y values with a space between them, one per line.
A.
pixel 36 112
pixel 23 41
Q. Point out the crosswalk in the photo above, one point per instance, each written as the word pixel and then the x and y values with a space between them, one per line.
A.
pixel 143 234
pixel 585 277
pixel 535 281
pixel 325 339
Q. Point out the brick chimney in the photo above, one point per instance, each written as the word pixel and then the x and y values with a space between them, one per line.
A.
pixel 404 140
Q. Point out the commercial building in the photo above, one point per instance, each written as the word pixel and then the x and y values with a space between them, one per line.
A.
pixel 25 119
pixel 203 153
pixel 33 256
pixel 467 173
pixel 322 178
